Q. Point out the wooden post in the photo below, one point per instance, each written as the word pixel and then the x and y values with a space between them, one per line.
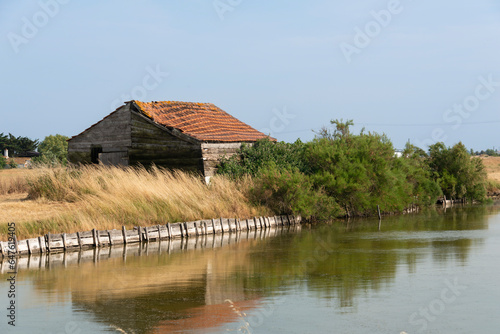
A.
pixel 29 247
pixel 110 238
pixel 221 225
pixel 47 236
pixel 379 215
pixel 169 228
pixel 147 234
pixel 186 229
pixel 79 238
pixel 94 235
pixel 124 234
pixel 180 227
pixel 213 226
pixel 64 240
pixel 159 232
pixel 43 247
pixel 140 233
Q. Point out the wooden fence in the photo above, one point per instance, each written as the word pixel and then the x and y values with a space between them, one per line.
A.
pixel 56 243
pixel 43 261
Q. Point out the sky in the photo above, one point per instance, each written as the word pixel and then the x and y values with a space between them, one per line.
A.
pixel 419 71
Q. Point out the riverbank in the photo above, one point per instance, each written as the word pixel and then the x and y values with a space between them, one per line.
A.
pixel 42 201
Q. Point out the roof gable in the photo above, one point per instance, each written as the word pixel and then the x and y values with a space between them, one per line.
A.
pixel 203 121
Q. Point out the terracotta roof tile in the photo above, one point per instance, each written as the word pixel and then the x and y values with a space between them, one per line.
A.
pixel 203 121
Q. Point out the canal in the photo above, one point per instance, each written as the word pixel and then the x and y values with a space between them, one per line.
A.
pixel 432 272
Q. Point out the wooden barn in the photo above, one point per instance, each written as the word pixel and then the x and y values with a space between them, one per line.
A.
pixel 176 135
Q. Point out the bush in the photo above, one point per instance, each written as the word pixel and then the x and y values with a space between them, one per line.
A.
pixel 12 163
pixel 288 191
pixel 3 161
pixel 458 174
pixel 253 158
pixel 54 151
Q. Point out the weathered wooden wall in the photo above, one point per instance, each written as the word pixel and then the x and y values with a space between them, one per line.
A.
pixel 212 154
pixel 151 143
pixel 112 134
pixel 53 243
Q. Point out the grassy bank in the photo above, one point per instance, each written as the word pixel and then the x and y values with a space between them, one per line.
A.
pixel 70 200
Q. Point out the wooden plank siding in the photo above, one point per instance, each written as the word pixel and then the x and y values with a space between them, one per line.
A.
pixel 112 134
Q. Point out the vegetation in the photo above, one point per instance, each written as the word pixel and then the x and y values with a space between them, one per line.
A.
pixel 335 175
pixel 54 151
pixel 3 161
pixel 17 145
pixel 343 174
pixel 12 163
pixel 490 152
pixel 109 197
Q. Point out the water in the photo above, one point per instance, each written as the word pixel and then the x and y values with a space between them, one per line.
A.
pixel 427 273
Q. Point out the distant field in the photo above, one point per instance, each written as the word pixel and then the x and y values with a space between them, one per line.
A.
pixel 492 167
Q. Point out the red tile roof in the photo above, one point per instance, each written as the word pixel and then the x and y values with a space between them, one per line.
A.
pixel 203 121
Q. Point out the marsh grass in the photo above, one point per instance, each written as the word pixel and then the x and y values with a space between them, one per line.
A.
pixel 109 197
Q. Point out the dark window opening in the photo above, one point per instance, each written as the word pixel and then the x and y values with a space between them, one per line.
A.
pixel 94 154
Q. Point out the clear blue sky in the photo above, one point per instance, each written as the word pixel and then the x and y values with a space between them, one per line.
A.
pixel 419 70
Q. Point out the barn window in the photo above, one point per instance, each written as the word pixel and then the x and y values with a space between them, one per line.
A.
pixel 94 154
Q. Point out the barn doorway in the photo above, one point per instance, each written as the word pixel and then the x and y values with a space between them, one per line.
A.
pixel 94 154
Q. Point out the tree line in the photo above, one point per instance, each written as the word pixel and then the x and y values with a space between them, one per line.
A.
pixel 344 174
pixel 53 149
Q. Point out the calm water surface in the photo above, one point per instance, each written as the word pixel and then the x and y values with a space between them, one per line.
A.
pixel 426 273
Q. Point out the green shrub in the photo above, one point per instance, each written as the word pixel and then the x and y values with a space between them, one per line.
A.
pixel 288 191
pixel 12 163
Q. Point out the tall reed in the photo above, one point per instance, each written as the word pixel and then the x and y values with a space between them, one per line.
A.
pixel 109 197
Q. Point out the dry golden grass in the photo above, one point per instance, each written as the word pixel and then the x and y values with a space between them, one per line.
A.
pixel 13 181
pixel 492 165
pixel 70 200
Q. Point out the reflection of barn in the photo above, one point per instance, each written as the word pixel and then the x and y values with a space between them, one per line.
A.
pixel 168 289
pixel 189 136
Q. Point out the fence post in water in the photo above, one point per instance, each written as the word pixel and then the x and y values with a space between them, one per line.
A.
pixel 64 240
pixel 169 228
pixel 47 238
pixel 213 226
pixel 110 238
pixel 378 209
pixel 186 229
pixel 43 246
pixel 147 234
pixel 159 232
pixel 140 233
pixel 79 239
pixel 221 225
pixel 94 235
pixel 124 234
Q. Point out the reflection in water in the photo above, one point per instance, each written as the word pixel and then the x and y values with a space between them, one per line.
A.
pixel 211 281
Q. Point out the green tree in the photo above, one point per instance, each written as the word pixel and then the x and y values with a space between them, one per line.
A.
pixel 53 150
pixel 459 174
pixel 3 161
pixel 17 145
